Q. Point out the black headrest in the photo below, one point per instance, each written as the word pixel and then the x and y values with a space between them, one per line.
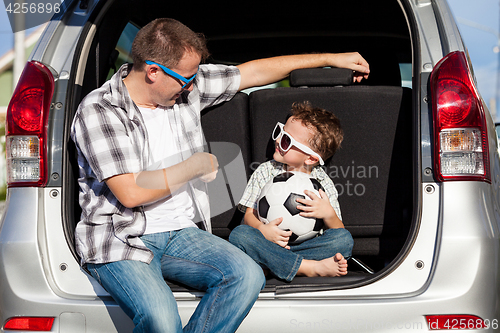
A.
pixel 314 77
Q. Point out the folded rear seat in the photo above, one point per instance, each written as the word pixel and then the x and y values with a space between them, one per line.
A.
pixel 372 169
pixel 228 123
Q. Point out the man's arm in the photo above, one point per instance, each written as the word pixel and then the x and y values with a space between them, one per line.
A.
pixel 146 187
pixel 269 70
pixel 126 190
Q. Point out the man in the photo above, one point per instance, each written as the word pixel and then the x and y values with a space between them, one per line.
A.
pixel 143 174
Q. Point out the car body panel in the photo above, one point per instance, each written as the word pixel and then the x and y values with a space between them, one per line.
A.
pixel 450 261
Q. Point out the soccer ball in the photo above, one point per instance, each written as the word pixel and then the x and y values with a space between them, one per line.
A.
pixel 278 199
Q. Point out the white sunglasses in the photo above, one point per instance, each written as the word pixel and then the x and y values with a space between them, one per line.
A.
pixel 287 141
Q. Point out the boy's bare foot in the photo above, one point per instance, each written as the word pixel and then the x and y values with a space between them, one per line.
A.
pixel 334 266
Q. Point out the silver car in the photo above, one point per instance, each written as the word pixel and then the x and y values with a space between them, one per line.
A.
pixel 418 174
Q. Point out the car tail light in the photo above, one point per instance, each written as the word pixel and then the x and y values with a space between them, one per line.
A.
pixel 27 117
pixel 29 324
pixel 459 322
pixel 460 136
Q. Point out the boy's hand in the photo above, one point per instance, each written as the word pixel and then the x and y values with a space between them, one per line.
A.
pixel 318 207
pixel 273 233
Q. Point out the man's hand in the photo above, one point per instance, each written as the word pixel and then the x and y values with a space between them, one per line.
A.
pixel 354 61
pixel 206 165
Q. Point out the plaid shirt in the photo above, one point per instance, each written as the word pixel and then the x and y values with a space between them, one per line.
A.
pixel 110 137
pixel 266 171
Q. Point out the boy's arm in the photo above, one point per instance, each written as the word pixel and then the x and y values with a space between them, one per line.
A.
pixel 270 231
pixel 251 218
pixel 333 222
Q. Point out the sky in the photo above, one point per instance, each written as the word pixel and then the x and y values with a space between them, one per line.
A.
pixel 478 22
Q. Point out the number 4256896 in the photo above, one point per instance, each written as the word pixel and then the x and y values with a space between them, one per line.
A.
pixel 33 8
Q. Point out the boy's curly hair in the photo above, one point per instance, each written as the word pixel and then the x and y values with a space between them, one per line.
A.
pixel 328 132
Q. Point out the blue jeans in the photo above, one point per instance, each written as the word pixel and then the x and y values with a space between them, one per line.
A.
pixel 284 263
pixel 231 281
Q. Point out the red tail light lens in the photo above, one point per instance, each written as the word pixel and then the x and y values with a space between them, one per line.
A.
pixel 460 135
pixel 29 324
pixel 27 117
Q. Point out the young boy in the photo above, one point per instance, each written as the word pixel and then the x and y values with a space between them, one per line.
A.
pixel 310 136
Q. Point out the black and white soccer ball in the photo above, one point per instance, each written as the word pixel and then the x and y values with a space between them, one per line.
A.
pixel 278 199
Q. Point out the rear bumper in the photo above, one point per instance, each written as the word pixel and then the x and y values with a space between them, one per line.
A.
pixel 458 232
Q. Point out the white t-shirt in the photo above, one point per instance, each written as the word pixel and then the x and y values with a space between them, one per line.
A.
pixel 176 211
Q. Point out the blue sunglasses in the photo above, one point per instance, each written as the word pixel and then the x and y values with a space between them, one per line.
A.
pixel 170 72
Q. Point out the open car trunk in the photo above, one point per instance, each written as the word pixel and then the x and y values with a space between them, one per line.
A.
pixel 373 171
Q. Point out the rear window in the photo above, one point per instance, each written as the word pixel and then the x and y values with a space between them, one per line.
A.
pixel 230 52
pixel 123 48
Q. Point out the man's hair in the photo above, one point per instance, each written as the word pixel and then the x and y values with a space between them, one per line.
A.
pixel 165 41
pixel 325 125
